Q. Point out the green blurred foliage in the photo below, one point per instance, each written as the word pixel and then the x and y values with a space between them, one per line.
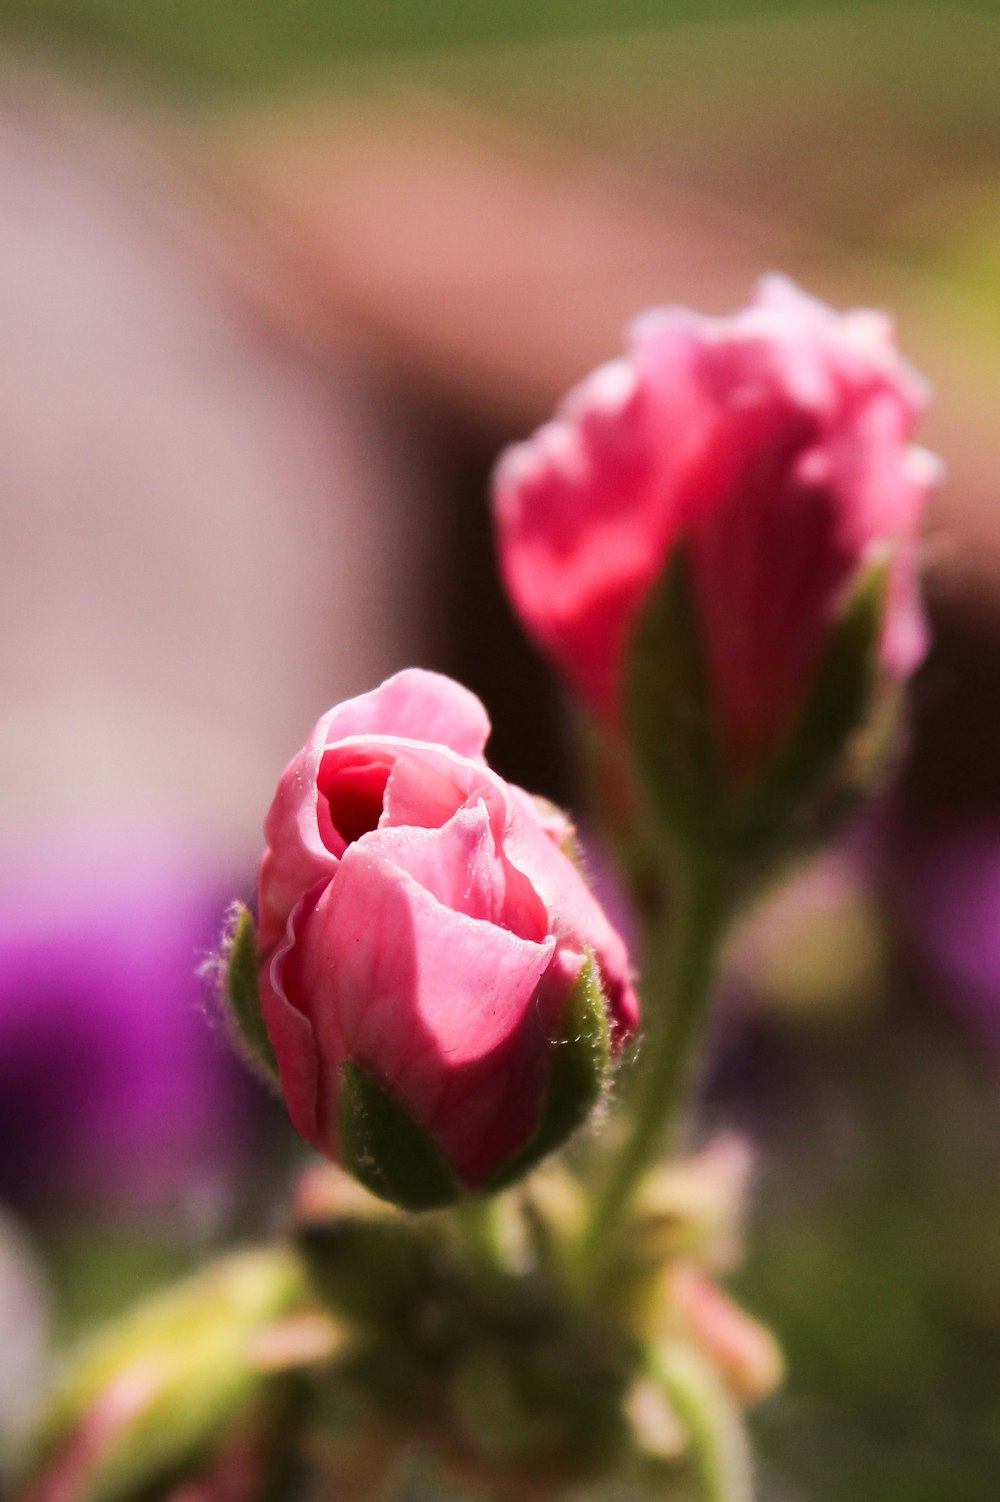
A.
pixel 206 45
pixel 875 1255
pixel 95 1271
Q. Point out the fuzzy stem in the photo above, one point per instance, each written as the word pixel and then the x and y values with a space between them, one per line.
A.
pixel 677 989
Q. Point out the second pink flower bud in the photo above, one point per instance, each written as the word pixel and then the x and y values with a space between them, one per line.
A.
pixel 773 448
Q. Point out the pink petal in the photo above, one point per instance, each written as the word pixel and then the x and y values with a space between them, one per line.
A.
pixel 297 856
pixel 439 1005
pixel 461 865
pixel 574 507
pixel 574 914
pixel 429 783
pixel 292 1034
pixel 415 705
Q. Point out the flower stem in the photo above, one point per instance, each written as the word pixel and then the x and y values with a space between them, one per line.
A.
pixel 717 1441
pixel 677 988
pixel 478 1218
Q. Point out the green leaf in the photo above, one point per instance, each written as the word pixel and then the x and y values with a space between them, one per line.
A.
pixel 387 1149
pixel 815 772
pixel 243 994
pixel 581 1057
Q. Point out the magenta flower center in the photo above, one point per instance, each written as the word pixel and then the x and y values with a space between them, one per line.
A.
pixel 354 789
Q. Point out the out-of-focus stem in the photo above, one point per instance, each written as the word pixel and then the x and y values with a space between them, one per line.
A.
pixel 478 1222
pixel 718 1445
pixel 680 970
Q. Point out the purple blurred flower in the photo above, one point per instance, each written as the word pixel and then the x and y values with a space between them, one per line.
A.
pixel 115 1093
pixel 946 883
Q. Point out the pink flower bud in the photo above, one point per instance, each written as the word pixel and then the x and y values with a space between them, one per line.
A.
pixel 420 923
pixel 774 445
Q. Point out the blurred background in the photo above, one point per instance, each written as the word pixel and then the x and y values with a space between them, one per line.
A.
pixel 277 280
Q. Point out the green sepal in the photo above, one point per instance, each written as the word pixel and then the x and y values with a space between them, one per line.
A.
pixel 243 993
pixel 842 703
pixel 676 743
pixel 581 1057
pixel 387 1149
pixel 669 712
